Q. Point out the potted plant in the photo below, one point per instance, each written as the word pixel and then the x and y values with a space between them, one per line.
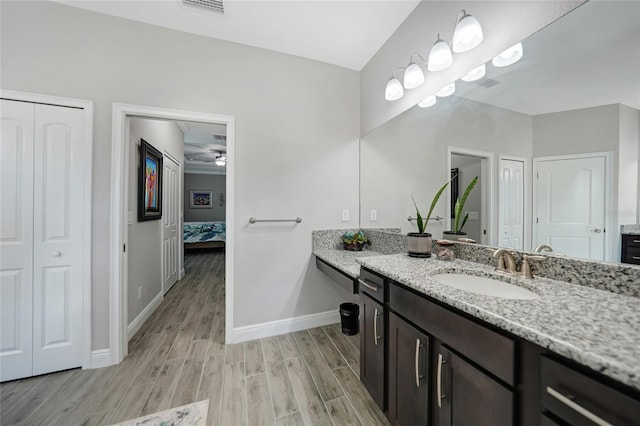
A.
pixel 458 220
pixel 419 243
pixel 354 240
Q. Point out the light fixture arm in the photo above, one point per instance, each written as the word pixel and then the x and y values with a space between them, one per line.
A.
pixel 424 61
pixel 461 15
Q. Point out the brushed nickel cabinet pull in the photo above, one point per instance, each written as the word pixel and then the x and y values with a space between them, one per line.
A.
pixel 418 375
pixel 440 396
pixel 367 285
pixel 375 327
pixel 577 407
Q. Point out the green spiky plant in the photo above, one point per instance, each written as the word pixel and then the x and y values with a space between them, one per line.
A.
pixel 422 224
pixel 457 210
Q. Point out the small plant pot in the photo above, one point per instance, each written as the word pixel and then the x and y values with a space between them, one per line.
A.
pixel 352 246
pixel 419 245
pixel 453 236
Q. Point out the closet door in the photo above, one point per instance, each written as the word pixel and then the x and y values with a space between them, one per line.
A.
pixel 16 239
pixel 57 225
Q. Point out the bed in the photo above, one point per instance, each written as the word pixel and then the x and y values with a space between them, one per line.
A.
pixel 199 235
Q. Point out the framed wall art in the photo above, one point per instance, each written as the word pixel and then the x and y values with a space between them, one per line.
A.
pixel 150 183
pixel 201 200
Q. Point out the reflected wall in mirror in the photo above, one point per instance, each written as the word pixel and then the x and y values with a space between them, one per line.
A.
pixel 558 133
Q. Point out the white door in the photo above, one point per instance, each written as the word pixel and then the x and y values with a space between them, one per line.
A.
pixel 570 206
pixel 16 239
pixel 170 203
pixel 42 291
pixel 511 204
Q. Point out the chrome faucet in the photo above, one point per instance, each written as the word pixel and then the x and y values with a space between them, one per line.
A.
pixel 541 248
pixel 506 262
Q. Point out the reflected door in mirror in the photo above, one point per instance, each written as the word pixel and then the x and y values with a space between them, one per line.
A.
pixel 511 204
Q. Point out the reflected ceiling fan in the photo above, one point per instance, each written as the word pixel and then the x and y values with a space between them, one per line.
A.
pixel 212 154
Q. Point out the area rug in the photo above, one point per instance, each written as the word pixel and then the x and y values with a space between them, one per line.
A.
pixel 188 415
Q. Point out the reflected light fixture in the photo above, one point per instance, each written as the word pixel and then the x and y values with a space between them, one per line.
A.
pixel 447 90
pixel 467 33
pixel 427 102
pixel 440 56
pixel 475 74
pixel 508 57
pixel 394 90
pixel 221 160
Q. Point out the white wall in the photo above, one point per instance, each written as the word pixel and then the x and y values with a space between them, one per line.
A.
pixel 297 129
pixel 408 156
pixel 202 182
pixel 145 238
pixel 504 24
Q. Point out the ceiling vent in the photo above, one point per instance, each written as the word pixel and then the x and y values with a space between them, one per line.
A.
pixel 220 137
pixel 212 5
pixel 487 82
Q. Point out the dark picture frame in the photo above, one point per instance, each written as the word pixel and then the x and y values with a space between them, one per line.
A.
pixel 149 183
pixel 454 190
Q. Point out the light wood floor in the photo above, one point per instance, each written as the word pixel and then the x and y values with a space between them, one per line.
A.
pixel 179 356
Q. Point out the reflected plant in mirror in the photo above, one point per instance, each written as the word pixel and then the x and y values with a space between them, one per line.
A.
pixel 459 221
pixel 555 136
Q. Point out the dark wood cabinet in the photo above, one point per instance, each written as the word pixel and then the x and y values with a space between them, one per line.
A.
pixel 409 375
pixel 372 348
pixel 464 395
pixel 631 249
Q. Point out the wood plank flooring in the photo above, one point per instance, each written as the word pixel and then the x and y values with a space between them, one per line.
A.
pixel 178 357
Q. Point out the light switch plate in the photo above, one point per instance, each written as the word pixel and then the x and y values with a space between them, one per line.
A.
pixel 374 215
pixel 345 215
pixel 129 218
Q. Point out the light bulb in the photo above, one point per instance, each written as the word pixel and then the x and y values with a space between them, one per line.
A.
pixel 447 90
pixel 440 56
pixel 427 102
pixel 475 74
pixel 394 91
pixel 220 162
pixel 467 34
pixel 413 76
pixel 508 57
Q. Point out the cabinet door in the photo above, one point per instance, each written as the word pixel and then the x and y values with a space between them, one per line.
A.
pixel 464 395
pixel 372 348
pixel 408 374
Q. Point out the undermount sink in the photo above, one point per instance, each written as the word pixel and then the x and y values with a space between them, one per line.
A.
pixel 485 286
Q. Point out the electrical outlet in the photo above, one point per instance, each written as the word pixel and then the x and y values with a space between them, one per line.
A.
pixel 139 292
pixel 374 215
pixel 345 215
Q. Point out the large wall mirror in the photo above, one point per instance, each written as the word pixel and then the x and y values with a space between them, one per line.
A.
pixel 553 138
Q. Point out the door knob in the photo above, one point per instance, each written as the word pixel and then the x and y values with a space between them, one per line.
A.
pixel 596 230
pixel 57 254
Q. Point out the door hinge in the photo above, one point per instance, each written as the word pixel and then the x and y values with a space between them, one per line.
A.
pixel 537 220
pixel 124 248
pixel 537 175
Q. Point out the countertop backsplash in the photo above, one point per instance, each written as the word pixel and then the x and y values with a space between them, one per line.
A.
pixel 630 229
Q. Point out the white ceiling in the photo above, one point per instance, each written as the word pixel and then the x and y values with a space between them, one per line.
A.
pixel 202 144
pixel 341 32
pixel 590 57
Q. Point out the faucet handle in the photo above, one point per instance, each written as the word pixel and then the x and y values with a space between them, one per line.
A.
pixel 525 268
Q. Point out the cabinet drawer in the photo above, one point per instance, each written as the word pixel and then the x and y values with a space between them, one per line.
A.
pixel 581 400
pixel 341 278
pixel 631 240
pixel 631 255
pixel 485 347
pixel 371 284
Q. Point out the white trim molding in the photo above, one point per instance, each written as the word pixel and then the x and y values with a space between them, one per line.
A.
pixel 284 326
pixel 87 212
pixel 118 332
pixel 100 358
pixel 143 315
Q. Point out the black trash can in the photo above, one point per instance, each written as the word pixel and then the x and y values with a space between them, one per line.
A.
pixel 349 313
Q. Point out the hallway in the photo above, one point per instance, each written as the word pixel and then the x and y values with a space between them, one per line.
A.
pixel 179 357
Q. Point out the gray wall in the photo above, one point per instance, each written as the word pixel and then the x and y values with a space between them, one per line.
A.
pixel 505 23
pixel 201 182
pixel 145 238
pixel 306 110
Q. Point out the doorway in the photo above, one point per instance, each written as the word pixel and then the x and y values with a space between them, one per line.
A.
pixel 480 204
pixel 122 115
pixel 514 219
pixel 571 194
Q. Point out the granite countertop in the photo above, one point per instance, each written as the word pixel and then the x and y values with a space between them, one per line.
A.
pixel 596 328
pixel 344 260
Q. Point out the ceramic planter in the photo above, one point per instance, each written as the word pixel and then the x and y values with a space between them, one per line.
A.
pixel 453 236
pixel 419 245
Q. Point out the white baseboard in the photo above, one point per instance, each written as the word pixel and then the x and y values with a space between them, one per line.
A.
pixel 284 326
pixel 101 358
pixel 143 316
pixel 181 274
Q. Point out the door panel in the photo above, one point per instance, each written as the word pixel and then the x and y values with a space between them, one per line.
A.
pixel 511 204
pixel 570 207
pixel 16 239
pixel 372 341
pixel 170 198
pixel 58 189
